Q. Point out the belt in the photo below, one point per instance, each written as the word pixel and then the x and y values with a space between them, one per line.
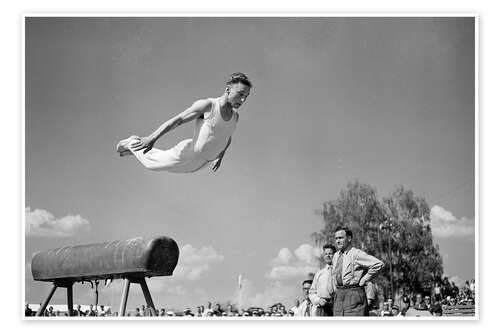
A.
pixel 350 287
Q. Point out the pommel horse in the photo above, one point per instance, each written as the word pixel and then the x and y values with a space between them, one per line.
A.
pixel 132 260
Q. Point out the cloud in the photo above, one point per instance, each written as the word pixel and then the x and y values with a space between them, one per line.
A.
pixel 194 263
pixel 284 257
pixel 444 224
pixel 297 265
pixel 41 223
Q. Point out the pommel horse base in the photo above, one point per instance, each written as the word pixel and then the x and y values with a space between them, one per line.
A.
pixel 132 260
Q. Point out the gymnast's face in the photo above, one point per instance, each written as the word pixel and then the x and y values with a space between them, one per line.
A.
pixel 237 94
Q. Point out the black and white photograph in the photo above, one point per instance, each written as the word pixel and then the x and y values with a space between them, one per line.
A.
pixel 250 167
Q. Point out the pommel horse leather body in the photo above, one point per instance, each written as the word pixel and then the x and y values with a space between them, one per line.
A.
pixel 132 260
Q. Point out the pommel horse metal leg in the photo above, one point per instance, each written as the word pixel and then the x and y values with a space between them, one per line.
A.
pixel 69 287
pixel 147 295
pixel 42 308
pixel 69 294
pixel 123 303
pixel 145 291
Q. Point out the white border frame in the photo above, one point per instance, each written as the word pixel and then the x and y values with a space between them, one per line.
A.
pixel 267 13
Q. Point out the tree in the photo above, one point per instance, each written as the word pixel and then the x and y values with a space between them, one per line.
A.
pixel 403 217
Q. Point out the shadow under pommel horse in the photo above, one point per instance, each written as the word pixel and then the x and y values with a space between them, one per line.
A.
pixel 132 260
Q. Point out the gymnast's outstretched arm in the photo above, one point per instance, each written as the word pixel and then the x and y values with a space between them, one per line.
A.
pixel 193 112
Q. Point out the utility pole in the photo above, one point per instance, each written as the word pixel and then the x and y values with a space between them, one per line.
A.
pixel 387 225
pixel 96 293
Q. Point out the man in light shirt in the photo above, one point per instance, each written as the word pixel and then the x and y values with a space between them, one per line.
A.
pixel 322 288
pixel 353 268
pixel 306 308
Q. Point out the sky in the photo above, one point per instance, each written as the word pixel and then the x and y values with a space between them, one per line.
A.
pixel 385 101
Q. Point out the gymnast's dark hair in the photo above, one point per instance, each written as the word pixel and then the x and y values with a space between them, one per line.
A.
pixel 239 77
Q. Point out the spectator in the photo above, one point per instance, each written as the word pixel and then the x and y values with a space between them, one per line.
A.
pixel 437 291
pixel 372 296
pixel 101 312
pixel 405 305
pixel 201 311
pixel 27 311
pixel 419 304
pixel 51 312
pixel 218 310
pixel 386 310
pixel 467 289
pixel 78 311
pixel 472 287
pixel 446 288
pixel 322 288
pixel 394 311
pixel 230 311
pixel 142 311
pixel 350 279
pixel 427 302
pixel 209 308
pixel 91 312
pixel 137 312
pixel 162 313
pixel 454 290
pixel 390 302
pixel 306 308
pixel 437 310
pixel 418 309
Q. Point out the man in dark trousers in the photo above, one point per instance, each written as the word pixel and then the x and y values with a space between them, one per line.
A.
pixel 353 268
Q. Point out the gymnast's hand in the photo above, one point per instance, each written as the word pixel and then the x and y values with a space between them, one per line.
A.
pixel 216 164
pixel 145 143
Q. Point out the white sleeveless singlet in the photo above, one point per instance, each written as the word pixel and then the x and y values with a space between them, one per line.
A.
pixel 212 133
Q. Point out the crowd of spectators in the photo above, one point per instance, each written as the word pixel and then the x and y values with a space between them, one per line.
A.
pixel 444 293
pixel 229 310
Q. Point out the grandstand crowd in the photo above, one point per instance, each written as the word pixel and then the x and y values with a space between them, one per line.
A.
pixel 420 304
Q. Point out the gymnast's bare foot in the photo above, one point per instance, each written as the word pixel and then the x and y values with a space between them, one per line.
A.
pixel 122 148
